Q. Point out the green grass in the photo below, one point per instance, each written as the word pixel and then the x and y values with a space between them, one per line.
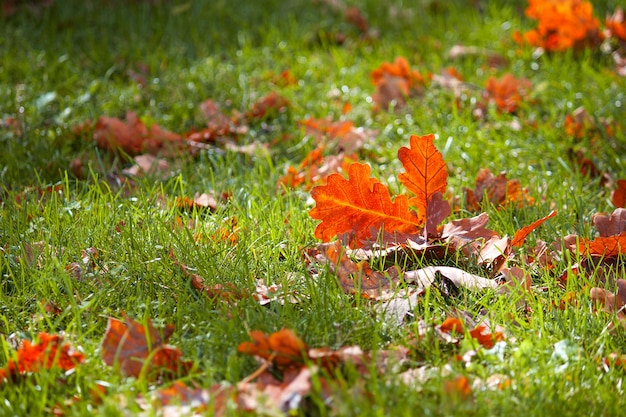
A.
pixel 65 64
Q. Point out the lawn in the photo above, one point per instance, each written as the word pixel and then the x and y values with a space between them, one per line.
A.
pixel 187 226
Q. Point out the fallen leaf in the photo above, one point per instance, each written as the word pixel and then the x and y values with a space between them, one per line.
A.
pixel 425 171
pixel 480 333
pixel 358 207
pixel 133 137
pixel 357 278
pixel 618 196
pixel 139 349
pixel 497 189
pixel 48 352
pixel 458 387
pixel 425 277
pixel 268 105
pixel 394 83
pixel 563 24
pixel 616 24
pixel 612 303
pixel 149 165
pixel 607 247
pixel 586 167
pixel 521 235
pixel 283 348
pixel 494 59
pixel 200 201
pixel 611 225
pixel 507 92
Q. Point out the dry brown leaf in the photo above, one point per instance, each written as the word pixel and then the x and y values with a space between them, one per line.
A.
pixel 138 349
pixel 611 225
pixel 425 277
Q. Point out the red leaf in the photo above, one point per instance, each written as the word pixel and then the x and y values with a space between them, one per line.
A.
pixel 618 196
pixel 358 207
pixel 426 172
pixel 520 235
pixel 47 352
pixel 136 348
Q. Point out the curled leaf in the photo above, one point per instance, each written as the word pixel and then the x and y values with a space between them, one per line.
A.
pixel 521 235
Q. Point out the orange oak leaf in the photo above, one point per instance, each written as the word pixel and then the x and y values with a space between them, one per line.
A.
pixel 141 349
pixel 606 246
pixel 283 348
pixel 618 196
pixel 506 92
pixel 134 137
pixel 48 352
pixel 521 235
pixel 394 83
pixel 563 24
pixel 426 172
pixel 358 207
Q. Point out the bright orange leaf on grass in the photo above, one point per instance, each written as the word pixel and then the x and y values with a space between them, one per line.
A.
pixel 479 333
pixel 521 235
pixel 358 207
pixel 394 83
pixel 563 24
pixel 606 246
pixel 48 352
pixel 507 92
pixel 136 348
pixel 425 173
